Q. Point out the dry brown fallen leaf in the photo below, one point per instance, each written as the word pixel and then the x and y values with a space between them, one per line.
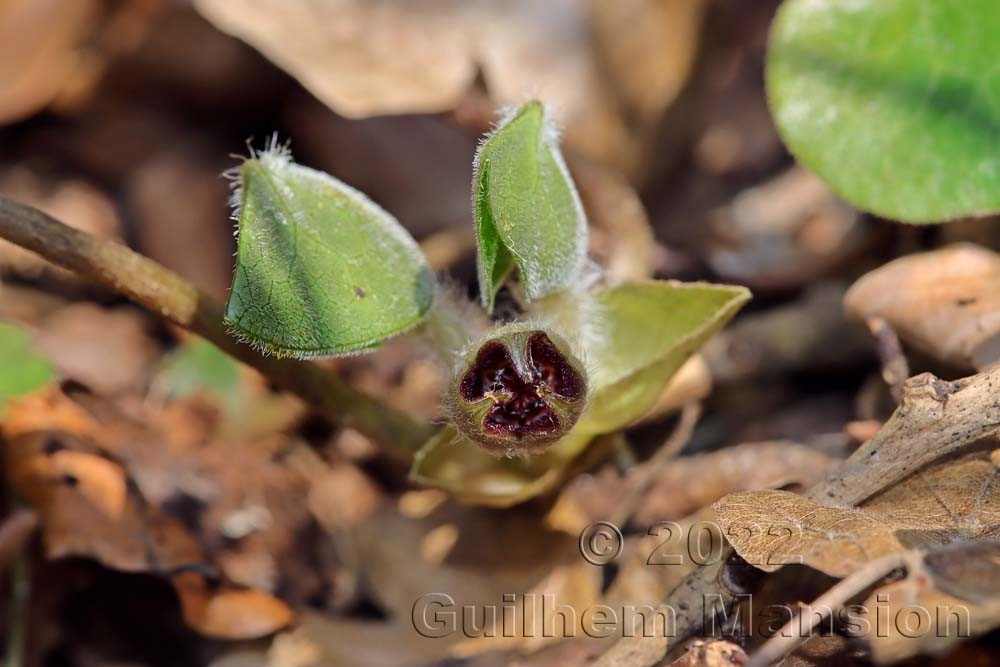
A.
pixel 623 33
pixel 953 500
pixel 175 197
pixel 107 481
pixel 689 483
pixel 943 302
pixel 340 495
pixel 603 67
pixel 785 232
pixel 653 564
pixel 41 46
pixel 620 236
pixel 88 513
pixel 229 613
pixel 99 481
pixel 575 586
pixel 525 552
pixel 927 613
pixel 109 350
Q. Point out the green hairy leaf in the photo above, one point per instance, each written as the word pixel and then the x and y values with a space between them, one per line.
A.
pixel 22 370
pixel 527 210
pixel 321 270
pixel 639 334
pixel 894 103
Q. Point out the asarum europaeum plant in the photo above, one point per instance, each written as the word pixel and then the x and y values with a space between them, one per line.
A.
pixel 322 270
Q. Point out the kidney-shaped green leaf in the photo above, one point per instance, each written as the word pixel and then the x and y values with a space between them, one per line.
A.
pixel 22 370
pixel 320 270
pixel 527 210
pixel 894 103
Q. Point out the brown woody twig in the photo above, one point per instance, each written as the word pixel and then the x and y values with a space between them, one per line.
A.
pixel 166 294
pixel 935 418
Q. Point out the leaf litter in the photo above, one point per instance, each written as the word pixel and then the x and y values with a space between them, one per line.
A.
pixel 280 539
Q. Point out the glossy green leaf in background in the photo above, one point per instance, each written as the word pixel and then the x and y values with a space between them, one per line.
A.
pixel 22 370
pixel 196 367
pixel 527 210
pixel 321 270
pixel 636 336
pixel 894 103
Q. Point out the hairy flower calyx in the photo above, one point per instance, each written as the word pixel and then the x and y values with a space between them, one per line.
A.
pixel 518 392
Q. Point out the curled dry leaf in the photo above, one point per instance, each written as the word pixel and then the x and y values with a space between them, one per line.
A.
pixel 689 483
pixel 926 614
pixel 944 302
pixel 80 496
pixel 371 58
pixel 229 613
pixel 957 499
pixel 99 481
pixel 71 459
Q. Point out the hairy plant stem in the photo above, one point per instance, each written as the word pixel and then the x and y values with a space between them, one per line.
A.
pixel 449 327
pixel 166 294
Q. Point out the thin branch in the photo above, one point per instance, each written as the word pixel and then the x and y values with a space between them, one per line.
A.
pixel 935 418
pixel 695 600
pixel 895 367
pixel 166 294
pixel 790 637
